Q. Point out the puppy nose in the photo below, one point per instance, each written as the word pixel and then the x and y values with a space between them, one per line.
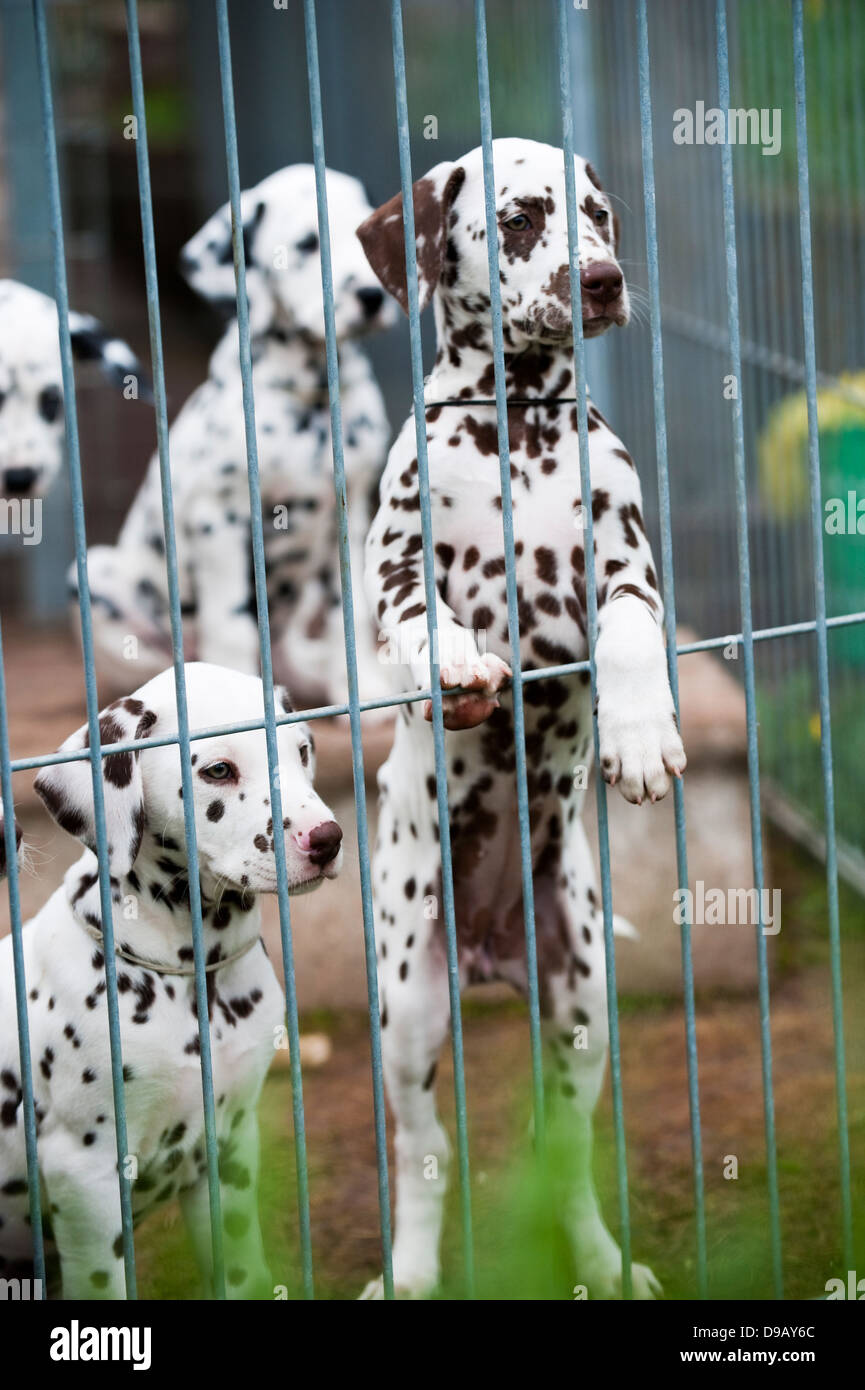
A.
pixel 322 843
pixel 602 281
pixel 19 479
pixel 371 300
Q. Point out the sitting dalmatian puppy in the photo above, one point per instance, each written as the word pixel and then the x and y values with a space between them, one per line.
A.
pixel 208 458
pixel 31 391
pixel 65 973
pixel 639 740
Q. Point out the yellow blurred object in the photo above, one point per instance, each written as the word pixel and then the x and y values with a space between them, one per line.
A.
pixel 814 727
pixel 315 1051
pixel 783 447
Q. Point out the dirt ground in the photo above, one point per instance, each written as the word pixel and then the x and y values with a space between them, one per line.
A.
pixel 517 1254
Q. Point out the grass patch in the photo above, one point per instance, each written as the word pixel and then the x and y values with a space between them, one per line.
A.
pixel 520 1251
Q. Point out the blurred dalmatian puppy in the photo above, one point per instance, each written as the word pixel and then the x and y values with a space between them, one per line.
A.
pixel 65 973
pixel 31 392
pixel 31 399
pixel 293 429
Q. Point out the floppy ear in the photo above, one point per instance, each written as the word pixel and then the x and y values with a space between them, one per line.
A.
pixel 67 788
pixel 91 342
pixel 383 240
pixel 207 263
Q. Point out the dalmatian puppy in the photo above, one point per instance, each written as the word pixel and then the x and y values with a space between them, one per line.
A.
pixel 65 971
pixel 31 392
pixel 639 740
pixel 208 456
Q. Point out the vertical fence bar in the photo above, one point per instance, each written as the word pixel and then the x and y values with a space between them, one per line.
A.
pixel 257 533
pixel 28 1105
pixel 670 624
pixel 430 596
pixel 158 365
pixel 592 637
pixel 511 579
pixel 61 294
pixel 748 646
pixel 316 116
pixel 816 511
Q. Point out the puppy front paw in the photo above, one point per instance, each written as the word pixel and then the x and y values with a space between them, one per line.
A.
pixel 640 748
pixel 481 679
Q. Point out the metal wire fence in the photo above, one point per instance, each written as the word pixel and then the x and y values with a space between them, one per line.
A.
pixel 816 629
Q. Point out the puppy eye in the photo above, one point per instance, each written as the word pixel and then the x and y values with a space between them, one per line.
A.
pixel 304 754
pixel 309 243
pixel 601 216
pixel 518 223
pixel 219 772
pixel 50 401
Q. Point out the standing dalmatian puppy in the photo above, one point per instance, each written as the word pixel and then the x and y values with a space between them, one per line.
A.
pixel 65 970
pixel 208 458
pixel 639 740
pixel 31 391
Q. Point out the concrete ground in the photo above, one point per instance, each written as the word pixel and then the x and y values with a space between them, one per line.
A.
pixel 45 692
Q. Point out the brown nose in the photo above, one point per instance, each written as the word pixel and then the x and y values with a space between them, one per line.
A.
pixel 602 282
pixel 324 842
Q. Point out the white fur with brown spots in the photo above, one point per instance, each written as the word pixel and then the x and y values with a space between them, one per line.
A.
pixel 640 744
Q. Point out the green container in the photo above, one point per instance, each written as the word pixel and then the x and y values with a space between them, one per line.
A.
pixel 842 467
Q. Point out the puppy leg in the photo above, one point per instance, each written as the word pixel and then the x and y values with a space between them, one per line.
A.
pixel 131 631
pixel 577 1037
pixel 246 1271
pixel 225 596
pixel 415 1011
pixel 84 1206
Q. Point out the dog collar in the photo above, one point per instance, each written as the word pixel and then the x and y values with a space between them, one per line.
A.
pixel 157 967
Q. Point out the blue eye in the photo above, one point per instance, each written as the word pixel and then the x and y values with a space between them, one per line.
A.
pixel 219 772
pixel 518 223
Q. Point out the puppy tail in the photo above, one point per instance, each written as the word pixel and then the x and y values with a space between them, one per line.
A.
pixel 622 927
pixel 91 342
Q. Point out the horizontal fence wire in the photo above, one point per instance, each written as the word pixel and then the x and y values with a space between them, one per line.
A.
pixel 667 573
pixel 157 362
pixel 732 342
pixel 731 640
pixel 431 600
pixel 380 1121
pixel 816 515
pixel 744 567
pixel 592 640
